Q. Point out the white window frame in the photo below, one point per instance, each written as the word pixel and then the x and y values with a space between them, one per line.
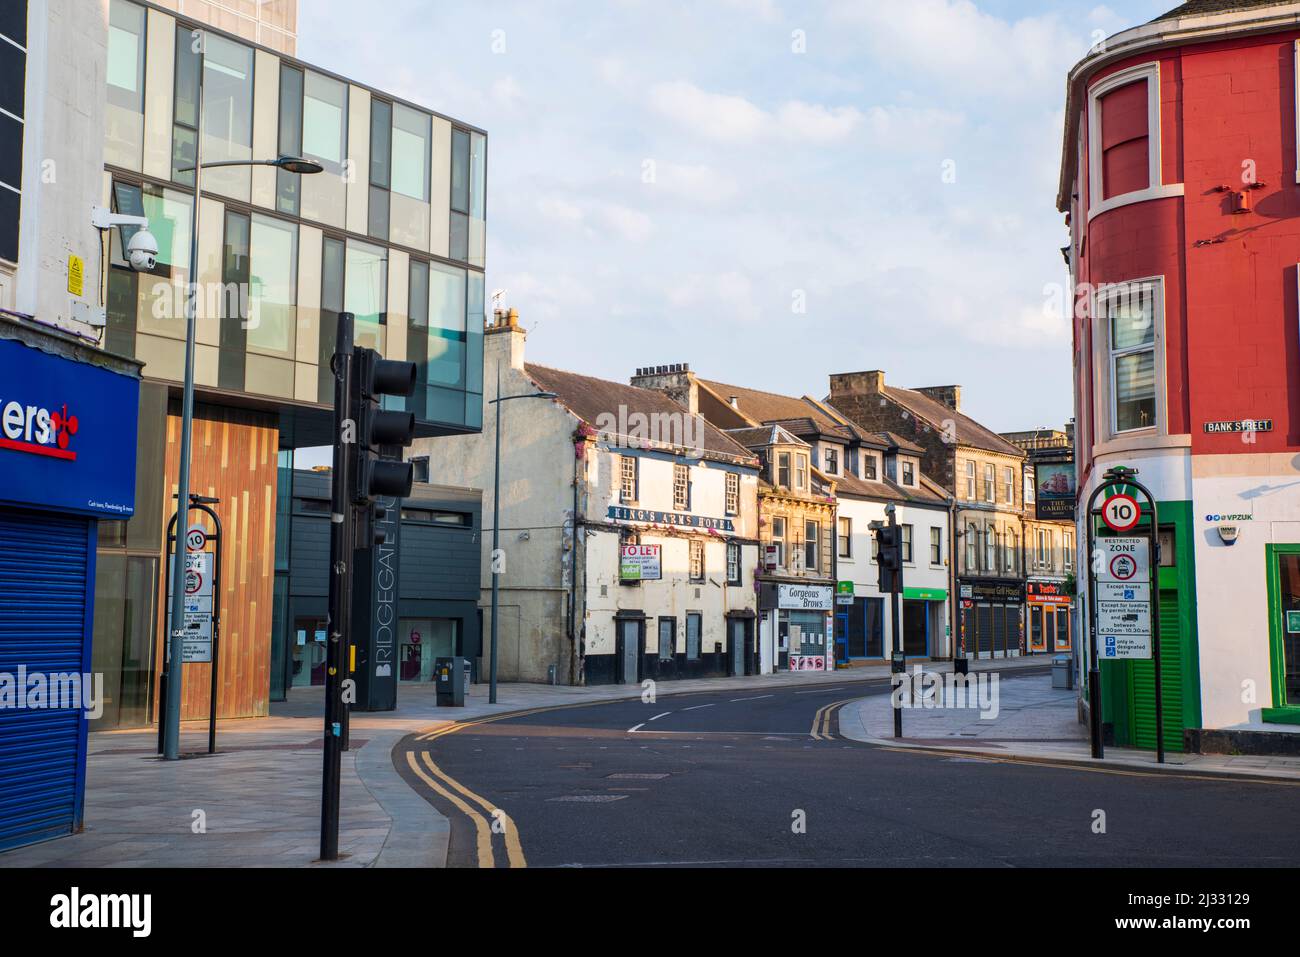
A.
pixel 905 467
pixel 815 541
pixel 972 548
pixel 844 540
pixel 906 549
pixel 1104 409
pixel 732 493
pixel 629 468
pixel 733 563
pixel 874 466
pixel 1067 551
pixel 1009 483
pixel 779 540
pixel 696 560
pixel 1013 544
pixel 832 456
pixel 970 480
pixel 936 545
pixel 801 471
pixel 682 487
pixel 990 483
pixel 1156 188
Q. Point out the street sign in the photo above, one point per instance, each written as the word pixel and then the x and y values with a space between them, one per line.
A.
pixel 196 539
pixel 1121 512
pixel 196 646
pixel 1124 599
pixel 844 593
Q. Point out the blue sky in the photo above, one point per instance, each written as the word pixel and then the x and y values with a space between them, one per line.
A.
pixel 674 181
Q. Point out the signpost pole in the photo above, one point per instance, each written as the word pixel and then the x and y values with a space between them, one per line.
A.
pixel 1094 666
pixel 895 614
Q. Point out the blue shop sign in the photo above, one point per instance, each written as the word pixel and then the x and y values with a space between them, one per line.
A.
pixel 67 434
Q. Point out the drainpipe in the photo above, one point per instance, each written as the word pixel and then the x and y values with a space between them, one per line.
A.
pixel 953 596
pixel 575 646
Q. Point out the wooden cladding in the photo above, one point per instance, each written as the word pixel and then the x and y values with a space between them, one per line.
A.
pixel 234 459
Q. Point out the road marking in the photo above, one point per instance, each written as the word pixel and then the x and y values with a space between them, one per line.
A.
pixel 514 850
pixel 637 728
pixel 658 716
pixel 482 831
pixel 699 706
pixel 759 698
pixel 821 727
pixel 820 691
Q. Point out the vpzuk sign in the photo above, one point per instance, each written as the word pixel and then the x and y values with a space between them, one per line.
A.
pixel 645 516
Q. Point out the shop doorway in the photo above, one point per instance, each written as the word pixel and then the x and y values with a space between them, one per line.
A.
pixel 422 641
pixel 630 639
pixel 307 666
pixel 916 629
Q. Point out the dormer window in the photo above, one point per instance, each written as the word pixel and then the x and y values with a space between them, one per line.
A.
pixel 783 469
pixel 870 467
pixel 909 472
pixel 832 461
pixel 801 472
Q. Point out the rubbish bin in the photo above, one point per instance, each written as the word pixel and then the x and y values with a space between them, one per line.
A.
pixel 452 678
pixel 1063 673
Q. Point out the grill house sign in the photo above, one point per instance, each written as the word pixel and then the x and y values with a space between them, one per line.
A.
pixel 646 516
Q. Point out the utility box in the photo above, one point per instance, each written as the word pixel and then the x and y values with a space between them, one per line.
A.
pixel 1062 673
pixel 451 676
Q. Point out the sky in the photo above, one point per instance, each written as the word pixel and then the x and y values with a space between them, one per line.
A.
pixel 771 191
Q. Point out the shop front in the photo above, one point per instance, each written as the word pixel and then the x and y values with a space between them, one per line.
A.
pixel 67 461
pixel 1048 609
pixel 991 617
pixel 796 627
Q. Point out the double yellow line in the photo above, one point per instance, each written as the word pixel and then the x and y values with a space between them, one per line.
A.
pixel 821 727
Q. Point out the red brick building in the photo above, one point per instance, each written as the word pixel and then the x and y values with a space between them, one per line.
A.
pixel 1181 182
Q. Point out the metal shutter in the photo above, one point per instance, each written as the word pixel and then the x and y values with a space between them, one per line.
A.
pixel 44 625
pixel 1142 682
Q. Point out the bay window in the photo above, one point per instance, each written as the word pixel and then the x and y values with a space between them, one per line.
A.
pixel 1130 314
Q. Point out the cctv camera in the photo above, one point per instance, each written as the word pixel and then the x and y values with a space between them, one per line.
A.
pixel 142 251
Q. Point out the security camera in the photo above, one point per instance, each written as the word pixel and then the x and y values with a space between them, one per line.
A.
pixel 142 251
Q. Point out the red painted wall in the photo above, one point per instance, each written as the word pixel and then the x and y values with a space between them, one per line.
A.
pixel 1232 327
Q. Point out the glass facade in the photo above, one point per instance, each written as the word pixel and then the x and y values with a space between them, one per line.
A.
pixel 401 203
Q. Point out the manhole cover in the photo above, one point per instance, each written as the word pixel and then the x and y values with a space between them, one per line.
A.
pixel 589 798
pixel 636 776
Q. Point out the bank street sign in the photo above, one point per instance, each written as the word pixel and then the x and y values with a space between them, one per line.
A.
pixel 1123 574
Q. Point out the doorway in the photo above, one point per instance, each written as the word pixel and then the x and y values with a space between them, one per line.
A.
pixel 421 642
pixel 307 665
pixel 630 639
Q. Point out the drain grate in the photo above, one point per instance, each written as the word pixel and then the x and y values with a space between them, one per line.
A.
pixel 637 776
pixel 589 798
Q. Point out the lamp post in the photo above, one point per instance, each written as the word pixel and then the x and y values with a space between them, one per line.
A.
pixel 496 523
pixel 171 715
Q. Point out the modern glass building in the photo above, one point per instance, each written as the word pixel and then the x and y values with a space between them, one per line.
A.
pixel 393 231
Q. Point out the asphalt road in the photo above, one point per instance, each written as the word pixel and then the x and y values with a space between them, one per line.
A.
pixel 761 779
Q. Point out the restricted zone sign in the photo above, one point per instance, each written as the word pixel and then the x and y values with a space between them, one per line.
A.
pixel 1124 599
pixel 1121 512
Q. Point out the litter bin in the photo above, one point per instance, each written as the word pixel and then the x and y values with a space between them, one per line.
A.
pixel 1063 673
pixel 452 678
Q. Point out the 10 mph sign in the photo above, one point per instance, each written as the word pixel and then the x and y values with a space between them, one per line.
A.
pixel 1121 512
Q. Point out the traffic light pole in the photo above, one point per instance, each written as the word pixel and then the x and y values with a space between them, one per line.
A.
pixel 895 613
pixel 339 627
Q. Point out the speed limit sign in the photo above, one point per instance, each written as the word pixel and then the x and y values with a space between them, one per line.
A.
pixel 196 539
pixel 1121 512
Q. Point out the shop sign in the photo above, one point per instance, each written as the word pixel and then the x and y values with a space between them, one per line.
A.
pixel 646 516
pixel 1237 426
pixel 639 563
pixel 1293 622
pixel 808 663
pixel 1012 593
pixel 925 594
pixel 844 593
pixel 1055 490
pixel 1046 593
pixel 67 433
pixel 804 597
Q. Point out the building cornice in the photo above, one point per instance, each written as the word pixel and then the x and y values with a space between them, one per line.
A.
pixel 1151 38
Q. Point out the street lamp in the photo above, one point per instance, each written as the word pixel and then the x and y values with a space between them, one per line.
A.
pixel 496 523
pixel 171 715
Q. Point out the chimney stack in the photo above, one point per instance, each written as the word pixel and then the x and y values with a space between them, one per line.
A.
pixel 504 339
pixel 676 381
pixel 857 383
pixel 949 395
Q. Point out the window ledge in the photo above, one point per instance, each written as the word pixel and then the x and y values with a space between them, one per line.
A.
pixel 1163 191
pixel 1287 715
pixel 1139 442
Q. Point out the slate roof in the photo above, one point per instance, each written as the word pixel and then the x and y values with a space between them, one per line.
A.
pixel 763 407
pixel 935 414
pixel 1194 8
pixel 590 399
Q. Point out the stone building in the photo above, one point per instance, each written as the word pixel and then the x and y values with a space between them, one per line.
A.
pixel 985 475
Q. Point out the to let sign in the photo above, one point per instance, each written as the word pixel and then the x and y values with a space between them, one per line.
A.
pixel 639 563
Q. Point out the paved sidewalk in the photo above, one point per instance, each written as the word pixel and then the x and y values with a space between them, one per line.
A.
pixel 256 803
pixel 1032 722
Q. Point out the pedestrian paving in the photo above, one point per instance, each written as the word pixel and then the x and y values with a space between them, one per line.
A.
pixel 256 803
pixel 1032 721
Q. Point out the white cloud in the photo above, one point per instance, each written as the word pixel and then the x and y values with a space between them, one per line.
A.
pixel 700 184
pixel 560 210
pixel 765 10
pixel 632 224
pixel 730 118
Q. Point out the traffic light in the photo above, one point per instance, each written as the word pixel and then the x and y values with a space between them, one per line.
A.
pixel 889 558
pixel 377 474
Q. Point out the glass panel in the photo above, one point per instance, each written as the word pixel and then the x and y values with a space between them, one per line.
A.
pixel 188 64
pixel 126 55
pixel 381 142
pixel 184 155
pixel 273 287
pixel 1135 391
pixel 475 318
pixel 1131 319
pixel 288 185
pixel 1289 602
pixel 162 293
pixel 459 237
pixel 332 271
pixel 411 145
pixel 323 129
pixel 446 405
pixel 460 184
pixel 447 312
pixel 366 292
pixel 667 637
pixel 235 278
pixel 227 113
pixel 378 227
pixel 124 141
pixel 478 200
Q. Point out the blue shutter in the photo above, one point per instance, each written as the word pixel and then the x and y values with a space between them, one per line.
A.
pixel 45 567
